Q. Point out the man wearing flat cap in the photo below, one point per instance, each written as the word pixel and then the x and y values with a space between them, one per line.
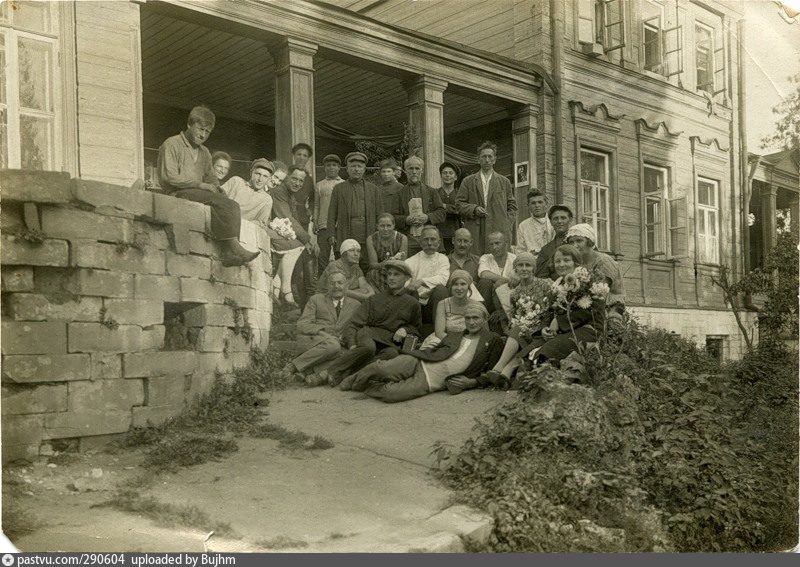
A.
pixel 379 326
pixel 355 206
pixel 390 187
pixel 561 219
pixel 356 287
pixel 322 200
pixel 254 200
pixel 301 156
pixel 449 174
pixel 419 205
pixel 185 170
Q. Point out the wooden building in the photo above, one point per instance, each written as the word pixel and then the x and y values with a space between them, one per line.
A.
pixel 628 111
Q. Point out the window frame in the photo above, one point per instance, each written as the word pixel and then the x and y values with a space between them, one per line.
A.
pixel 597 188
pixel 661 226
pixel 708 251
pixel 13 33
pixel 711 90
pixel 596 12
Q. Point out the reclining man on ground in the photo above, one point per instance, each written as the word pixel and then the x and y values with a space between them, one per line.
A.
pixel 460 355
pixel 185 170
pixel 379 326
pixel 320 330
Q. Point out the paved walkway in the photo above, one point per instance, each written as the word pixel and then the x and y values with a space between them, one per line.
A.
pixel 372 491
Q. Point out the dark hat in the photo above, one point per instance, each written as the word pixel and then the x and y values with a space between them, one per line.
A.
pixel 262 162
pixel 331 158
pixel 302 145
pixel 451 165
pixel 355 156
pixel 397 265
pixel 555 208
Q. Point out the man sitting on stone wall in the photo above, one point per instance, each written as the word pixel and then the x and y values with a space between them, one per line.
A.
pixel 320 329
pixel 185 170
pixel 379 326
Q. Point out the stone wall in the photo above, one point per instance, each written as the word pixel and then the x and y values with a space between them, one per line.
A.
pixel 116 309
pixel 699 324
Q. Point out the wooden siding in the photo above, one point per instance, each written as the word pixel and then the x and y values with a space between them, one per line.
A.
pixel 109 104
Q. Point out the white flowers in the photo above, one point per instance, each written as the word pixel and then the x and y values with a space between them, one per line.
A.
pixel 283 227
pixel 599 290
pixel 751 219
pixel 584 302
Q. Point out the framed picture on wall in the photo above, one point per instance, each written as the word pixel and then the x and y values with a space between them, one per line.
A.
pixel 521 174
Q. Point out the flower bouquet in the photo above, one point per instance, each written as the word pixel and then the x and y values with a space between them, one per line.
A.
pixel 283 227
pixel 528 304
pixel 576 290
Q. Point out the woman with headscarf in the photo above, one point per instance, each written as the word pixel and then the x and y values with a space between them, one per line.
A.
pixel 584 238
pixel 450 311
pixel 449 174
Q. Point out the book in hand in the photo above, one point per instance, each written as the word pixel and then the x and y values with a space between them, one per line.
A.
pixel 409 343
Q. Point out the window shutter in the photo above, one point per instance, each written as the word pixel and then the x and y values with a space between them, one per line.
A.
pixel 719 71
pixel 678 227
pixel 673 51
pixel 586 21
pixel 613 25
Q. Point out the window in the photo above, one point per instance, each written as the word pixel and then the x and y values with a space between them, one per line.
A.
pixel 707 221
pixel 602 23
pixel 595 195
pixel 655 192
pixel 715 347
pixel 662 42
pixel 28 97
pixel 704 58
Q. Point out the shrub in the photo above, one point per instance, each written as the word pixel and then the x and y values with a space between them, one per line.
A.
pixel 656 448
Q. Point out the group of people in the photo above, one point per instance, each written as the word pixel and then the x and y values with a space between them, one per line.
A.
pixel 402 279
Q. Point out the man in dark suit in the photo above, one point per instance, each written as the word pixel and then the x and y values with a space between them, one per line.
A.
pixel 561 218
pixel 421 372
pixel 320 328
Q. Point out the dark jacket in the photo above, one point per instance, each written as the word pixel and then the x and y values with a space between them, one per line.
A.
pixel 431 205
pixel 381 315
pixel 486 355
pixel 544 261
pixel 500 210
pixel 284 206
pixel 340 209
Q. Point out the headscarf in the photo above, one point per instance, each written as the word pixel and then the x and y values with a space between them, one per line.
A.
pixel 583 230
pixel 478 308
pixel 527 256
pixel 459 275
pixel 349 244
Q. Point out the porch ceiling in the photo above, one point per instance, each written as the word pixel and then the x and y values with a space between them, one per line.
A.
pixel 185 63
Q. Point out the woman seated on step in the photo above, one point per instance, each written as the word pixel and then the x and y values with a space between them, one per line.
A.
pixel 423 371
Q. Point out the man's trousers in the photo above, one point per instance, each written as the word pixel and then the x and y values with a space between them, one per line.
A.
pixel 226 216
pixel 316 350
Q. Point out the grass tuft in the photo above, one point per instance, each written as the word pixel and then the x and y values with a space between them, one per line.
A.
pixel 281 542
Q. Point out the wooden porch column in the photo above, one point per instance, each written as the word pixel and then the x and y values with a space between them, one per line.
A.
pixel 524 149
pixel 426 116
pixel 294 97
pixel 769 229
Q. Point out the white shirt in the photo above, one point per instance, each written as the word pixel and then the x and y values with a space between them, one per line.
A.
pixel 436 372
pixel 432 270
pixel 533 234
pixel 487 262
pixel 486 180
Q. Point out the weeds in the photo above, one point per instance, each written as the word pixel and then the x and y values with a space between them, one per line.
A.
pixel 281 542
pixel 290 439
pixel 139 243
pixel 18 521
pixel 32 236
pixel 164 514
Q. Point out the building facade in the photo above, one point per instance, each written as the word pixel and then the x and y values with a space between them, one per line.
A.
pixel 628 111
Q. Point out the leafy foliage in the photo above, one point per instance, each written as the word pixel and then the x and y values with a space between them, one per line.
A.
pixel 787 126
pixel 655 447
pixel 408 146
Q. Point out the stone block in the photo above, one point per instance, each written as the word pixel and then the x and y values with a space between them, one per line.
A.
pixel 154 235
pixel 172 210
pixel 83 282
pixel 38 307
pixel 470 524
pixel 108 197
pixel 236 343
pixel 188 265
pixel 105 366
pixel 201 291
pixel 86 422
pixel 61 222
pixel 142 312
pixel 259 279
pixel 167 390
pixel 21 436
pixel 154 415
pixel 243 296
pixel 264 243
pixel 182 239
pixel 178 363
pixel 209 314
pixel 16 251
pixel 35 186
pixel 12 216
pixel 201 244
pixel 32 368
pixel 211 339
pixel 107 395
pixel 96 337
pixel 16 278
pixel 19 400
pixel 165 288
pixel 260 338
pixel 200 384
pixel 236 275
pixel 34 337
pixel 263 301
pixel 88 254
pixel 240 359
pixel 248 234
